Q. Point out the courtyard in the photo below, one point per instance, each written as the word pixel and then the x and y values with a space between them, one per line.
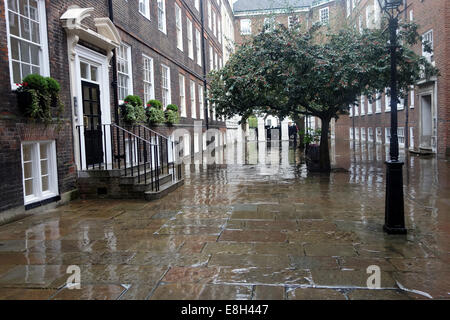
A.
pixel 257 225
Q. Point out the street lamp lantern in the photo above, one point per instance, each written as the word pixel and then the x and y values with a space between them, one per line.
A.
pixel 391 4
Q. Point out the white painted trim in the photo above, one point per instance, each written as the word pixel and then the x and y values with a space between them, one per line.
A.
pixel 44 63
pixel 101 62
pixel 152 76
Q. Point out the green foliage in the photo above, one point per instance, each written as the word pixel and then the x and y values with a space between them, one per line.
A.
pixel 172 117
pixel 252 122
pixel 154 104
pixel 37 96
pixel 132 110
pixel 311 136
pixel 172 107
pixel 155 115
pixel 288 72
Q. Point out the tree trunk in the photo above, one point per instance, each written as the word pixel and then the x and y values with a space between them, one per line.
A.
pixel 300 122
pixel 325 165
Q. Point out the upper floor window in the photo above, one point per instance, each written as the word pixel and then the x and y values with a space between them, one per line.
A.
pixel 193 102
pixel 209 15
pixel 149 89
pixel 197 5
pixel 427 39
pixel 179 27
pixel 144 8
pixel 198 46
pixel 349 7
pixel 269 23
pixel 190 40
pixel 211 58
pixel 124 78
pixel 363 106
pixel 162 15
pixel 324 15
pixel 182 96
pixel 200 102
pixel 387 101
pixel 27 39
pixel 214 23
pixel 246 26
pixel 165 86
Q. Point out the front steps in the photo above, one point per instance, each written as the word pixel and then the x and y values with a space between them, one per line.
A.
pixel 115 184
pixel 422 151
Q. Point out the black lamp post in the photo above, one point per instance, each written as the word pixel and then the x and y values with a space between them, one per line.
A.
pixel 394 212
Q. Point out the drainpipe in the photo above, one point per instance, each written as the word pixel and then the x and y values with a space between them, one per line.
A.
pixel 114 67
pixel 205 87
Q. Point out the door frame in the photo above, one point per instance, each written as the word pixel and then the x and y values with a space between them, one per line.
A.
pixel 83 54
pixel 429 90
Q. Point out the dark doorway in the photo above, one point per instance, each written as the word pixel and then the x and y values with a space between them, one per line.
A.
pixel 92 120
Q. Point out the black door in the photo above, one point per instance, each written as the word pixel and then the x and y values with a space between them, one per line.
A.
pixel 92 121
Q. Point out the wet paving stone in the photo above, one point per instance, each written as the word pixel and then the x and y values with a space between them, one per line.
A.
pixel 244 231
pixel 314 294
pixel 253 236
pixel 179 291
pixel 263 276
pixel 91 292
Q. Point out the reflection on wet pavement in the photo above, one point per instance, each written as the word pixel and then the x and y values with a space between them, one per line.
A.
pixel 256 225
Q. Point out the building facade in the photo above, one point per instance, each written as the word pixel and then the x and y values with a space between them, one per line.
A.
pixel 423 124
pixel 100 52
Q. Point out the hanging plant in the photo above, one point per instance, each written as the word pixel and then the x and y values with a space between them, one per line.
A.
pixel 37 96
pixel 154 112
pixel 171 114
pixel 132 110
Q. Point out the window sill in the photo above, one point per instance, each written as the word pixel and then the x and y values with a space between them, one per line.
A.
pixel 41 202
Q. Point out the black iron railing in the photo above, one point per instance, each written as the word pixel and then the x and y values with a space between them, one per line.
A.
pixel 136 151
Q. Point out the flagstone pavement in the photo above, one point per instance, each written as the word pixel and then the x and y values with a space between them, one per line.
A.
pixel 266 229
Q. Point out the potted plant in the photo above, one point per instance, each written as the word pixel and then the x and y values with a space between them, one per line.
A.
pixel 172 114
pixel 37 96
pixel 132 110
pixel 154 112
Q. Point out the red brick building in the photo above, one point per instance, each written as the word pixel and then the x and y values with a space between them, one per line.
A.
pixel 100 52
pixel 423 119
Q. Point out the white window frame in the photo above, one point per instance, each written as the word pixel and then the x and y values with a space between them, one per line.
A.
pixel 52 171
pixel 363 105
pixel 214 23
pixel 190 39
pixel 209 15
pixel 356 113
pixel 363 134
pixel 193 100
pixel 369 106
pixel 349 7
pixel 200 101
pixel 350 112
pixel 129 75
pixel 379 135
pixel 165 90
pixel 198 47
pixel 370 134
pixel 324 15
pixel 378 103
pixel 197 5
pixel 411 137
pixel 211 58
pixel 162 16
pixel 351 133
pixel 179 26
pixel 182 84
pixel 146 5
pixel 44 62
pixel 429 34
pixel 387 135
pixel 401 136
pixel 412 95
pixel 357 133
pixel 245 26
pixel 387 101
pixel 148 78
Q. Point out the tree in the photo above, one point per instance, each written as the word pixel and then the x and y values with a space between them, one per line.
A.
pixel 288 72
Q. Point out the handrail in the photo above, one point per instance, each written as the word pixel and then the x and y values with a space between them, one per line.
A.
pixel 157 133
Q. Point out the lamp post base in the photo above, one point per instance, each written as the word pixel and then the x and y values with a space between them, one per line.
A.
pixel 394 222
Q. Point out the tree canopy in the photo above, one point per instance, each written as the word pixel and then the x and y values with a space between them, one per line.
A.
pixel 289 72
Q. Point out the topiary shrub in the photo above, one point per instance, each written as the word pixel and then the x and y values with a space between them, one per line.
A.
pixel 154 104
pixel 37 95
pixel 172 107
pixel 155 116
pixel 132 110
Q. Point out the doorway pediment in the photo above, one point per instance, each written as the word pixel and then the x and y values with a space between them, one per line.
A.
pixel 105 37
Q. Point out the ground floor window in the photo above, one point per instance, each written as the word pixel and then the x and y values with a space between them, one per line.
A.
pixel 401 136
pixel 387 135
pixel 379 135
pixel 411 137
pixel 40 178
pixel 370 132
pixel 363 134
pixel 351 133
pixel 357 134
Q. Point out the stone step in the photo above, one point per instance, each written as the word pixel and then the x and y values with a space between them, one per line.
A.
pixel 164 190
pixel 140 175
pixel 143 187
